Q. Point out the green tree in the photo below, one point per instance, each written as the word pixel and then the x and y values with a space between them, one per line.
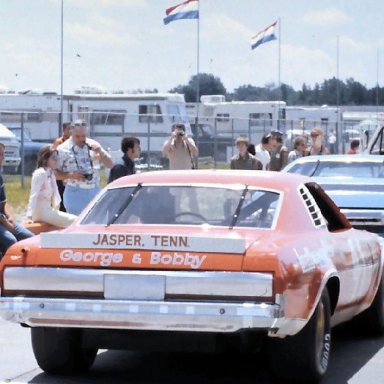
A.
pixel 208 85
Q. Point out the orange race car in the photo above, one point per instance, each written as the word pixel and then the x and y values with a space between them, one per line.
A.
pixel 207 259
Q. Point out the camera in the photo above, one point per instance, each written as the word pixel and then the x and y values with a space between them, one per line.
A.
pixel 180 133
pixel 88 176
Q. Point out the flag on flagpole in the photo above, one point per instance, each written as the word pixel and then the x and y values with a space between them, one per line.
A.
pixel 187 10
pixel 264 36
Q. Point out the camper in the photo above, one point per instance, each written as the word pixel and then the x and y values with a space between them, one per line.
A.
pixel 109 115
pixel 228 120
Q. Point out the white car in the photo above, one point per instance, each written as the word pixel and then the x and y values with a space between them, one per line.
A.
pixel 12 149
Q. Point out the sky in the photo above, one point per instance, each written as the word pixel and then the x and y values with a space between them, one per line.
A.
pixel 124 44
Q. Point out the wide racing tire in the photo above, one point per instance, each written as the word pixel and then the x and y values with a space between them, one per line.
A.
pixel 304 357
pixel 58 351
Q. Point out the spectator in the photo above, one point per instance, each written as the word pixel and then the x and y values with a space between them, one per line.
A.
pixel 264 149
pixel 317 147
pixel 67 130
pixel 130 146
pixel 244 160
pixel 332 142
pixel 354 147
pixel 251 149
pixel 298 151
pixel 279 154
pixel 78 168
pixel 10 232
pixel 45 198
pixel 180 148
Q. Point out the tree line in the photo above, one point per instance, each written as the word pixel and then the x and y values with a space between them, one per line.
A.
pixel 331 92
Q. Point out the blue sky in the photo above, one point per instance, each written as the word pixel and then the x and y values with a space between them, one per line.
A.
pixel 123 44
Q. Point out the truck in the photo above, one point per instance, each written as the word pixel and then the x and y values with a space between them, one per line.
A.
pixel 12 157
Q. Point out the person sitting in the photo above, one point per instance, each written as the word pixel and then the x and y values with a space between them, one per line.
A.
pixel 45 198
pixel 10 232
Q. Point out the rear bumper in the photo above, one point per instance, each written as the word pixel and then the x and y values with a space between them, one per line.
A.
pixel 140 315
pixel 144 300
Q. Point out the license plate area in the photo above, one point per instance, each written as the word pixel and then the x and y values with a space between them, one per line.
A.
pixel 134 287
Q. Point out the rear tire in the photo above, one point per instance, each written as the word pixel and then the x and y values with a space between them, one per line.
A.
pixel 304 357
pixel 58 351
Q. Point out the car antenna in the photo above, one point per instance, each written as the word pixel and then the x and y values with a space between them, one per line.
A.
pixel 315 169
pixel 125 205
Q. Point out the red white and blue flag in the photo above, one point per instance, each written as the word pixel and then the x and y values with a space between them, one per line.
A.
pixel 187 10
pixel 264 36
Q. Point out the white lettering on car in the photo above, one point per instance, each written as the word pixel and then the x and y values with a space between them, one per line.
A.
pixel 136 258
pixel 104 259
pixel 194 261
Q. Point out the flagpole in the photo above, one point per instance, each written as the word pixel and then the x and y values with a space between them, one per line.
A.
pixel 279 61
pixel 61 65
pixel 198 61
pixel 198 75
pixel 377 84
pixel 279 75
pixel 338 135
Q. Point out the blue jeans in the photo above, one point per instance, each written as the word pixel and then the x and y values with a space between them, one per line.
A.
pixel 76 198
pixel 7 238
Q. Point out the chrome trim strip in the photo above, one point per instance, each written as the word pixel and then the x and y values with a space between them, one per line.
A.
pixel 192 283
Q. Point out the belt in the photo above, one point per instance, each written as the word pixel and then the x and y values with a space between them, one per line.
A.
pixel 82 185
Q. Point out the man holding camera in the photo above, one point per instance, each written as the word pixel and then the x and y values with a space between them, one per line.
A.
pixel 180 148
pixel 78 165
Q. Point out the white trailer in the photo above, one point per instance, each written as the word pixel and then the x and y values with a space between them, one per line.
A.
pixel 109 116
pixel 228 120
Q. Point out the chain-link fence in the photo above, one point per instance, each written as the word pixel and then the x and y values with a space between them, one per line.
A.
pixel 215 137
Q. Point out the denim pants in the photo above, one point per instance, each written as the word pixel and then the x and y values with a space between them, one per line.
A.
pixel 76 198
pixel 7 238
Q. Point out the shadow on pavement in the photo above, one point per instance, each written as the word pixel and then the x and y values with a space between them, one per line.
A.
pixel 349 355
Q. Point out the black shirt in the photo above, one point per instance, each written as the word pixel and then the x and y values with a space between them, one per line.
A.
pixel 120 170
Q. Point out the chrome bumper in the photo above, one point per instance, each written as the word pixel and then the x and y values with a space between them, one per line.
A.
pixel 144 300
pixel 139 315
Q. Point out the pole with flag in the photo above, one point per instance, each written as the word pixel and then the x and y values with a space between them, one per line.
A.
pixel 264 36
pixel 189 9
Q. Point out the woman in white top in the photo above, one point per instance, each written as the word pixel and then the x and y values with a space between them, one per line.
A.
pixel 45 198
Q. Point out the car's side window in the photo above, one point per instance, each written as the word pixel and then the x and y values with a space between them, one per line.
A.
pixel 335 220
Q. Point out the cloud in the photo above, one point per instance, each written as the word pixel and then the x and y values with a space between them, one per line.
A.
pixel 97 36
pixel 351 44
pixel 106 3
pixel 304 65
pixel 326 17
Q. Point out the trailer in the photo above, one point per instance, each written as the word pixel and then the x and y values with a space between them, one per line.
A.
pixel 227 120
pixel 110 116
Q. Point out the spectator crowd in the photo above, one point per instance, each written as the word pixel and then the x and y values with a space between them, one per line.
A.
pixel 67 176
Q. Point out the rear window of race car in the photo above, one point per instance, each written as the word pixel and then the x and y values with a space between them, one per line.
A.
pixel 186 205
